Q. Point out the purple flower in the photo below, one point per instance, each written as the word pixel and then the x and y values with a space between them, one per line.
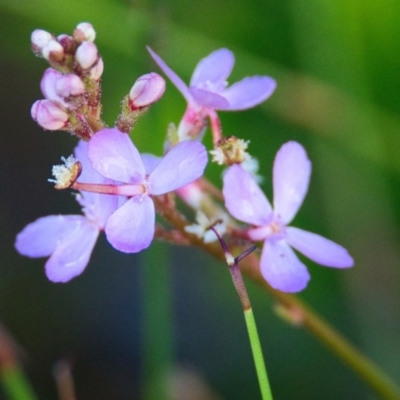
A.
pixel 70 239
pixel 208 86
pixel 131 227
pixel 208 90
pixel 245 201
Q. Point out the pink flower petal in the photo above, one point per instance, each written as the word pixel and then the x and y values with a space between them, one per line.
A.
pixel 40 238
pixel 72 255
pixel 114 156
pixel 178 82
pixel 291 176
pixel 183 164
pixel 281 268
pixel 48 85
pixel 248 92
pixel 150 161
pixel 317 248
pixel 131 228
pixel 243 197
pixel 214 68
pixel 208 99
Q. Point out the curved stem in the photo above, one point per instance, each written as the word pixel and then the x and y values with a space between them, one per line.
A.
pixel 301 314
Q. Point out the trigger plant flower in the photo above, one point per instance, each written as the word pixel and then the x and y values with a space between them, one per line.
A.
pixel 131 227
pixel 244 199
pixel 68 240
pixel 208 92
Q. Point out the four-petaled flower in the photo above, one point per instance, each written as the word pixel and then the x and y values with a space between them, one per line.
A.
pixel 244 199
pixel 131 227
pixel 69 239
pixel 208 89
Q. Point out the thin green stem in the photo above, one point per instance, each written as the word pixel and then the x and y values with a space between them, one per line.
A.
pixel 257 355
pixel 15 384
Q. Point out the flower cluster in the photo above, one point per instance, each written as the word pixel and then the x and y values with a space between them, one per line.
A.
pixel 117 185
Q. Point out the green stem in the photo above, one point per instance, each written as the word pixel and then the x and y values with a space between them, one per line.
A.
pixel 15 384
pixel 257 355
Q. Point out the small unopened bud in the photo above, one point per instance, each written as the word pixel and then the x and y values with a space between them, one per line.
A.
pixel 86 55
pixel 69 85
pixel 84 32
pixel 53 51
pixel 147 89
pixel 66 174
pixel 48 84
pixel 97 70
pixel 67 42
pixel 230 150
pixel 49 114
pixel 39 39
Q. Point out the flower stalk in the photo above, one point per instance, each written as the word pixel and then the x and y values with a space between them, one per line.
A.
pixel 233 264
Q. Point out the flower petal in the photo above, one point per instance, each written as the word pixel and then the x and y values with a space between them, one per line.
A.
pixel 131 228
pixel 214 68
pixel 48 85
pixel 281 268
pixel 183 164
pixel 319 249
pixel 291 176
pixel 243 197
pixel 41 237
pixel 72 255
pixel 208 99
pixel 114 156
pixel 178 82
pixel 248 92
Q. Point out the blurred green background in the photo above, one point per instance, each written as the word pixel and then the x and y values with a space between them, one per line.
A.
pixel 129 318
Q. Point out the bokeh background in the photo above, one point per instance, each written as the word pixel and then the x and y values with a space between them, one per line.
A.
pixel 130 319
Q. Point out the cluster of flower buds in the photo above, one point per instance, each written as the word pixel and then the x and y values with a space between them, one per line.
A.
pixel 117 184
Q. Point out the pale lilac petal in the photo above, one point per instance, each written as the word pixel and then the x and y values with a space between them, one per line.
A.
pixel 281 268
pixel 131 228
pixel 40 238
pixel 183 164
pixel 248 92
pixel 150 161
pixel 243 197
pixel 178 82
pixel 291 176
pixel 205 98
pixel 72 255
pixel 96 207
pixel 114 156
pixel 317 248
pixel 214 68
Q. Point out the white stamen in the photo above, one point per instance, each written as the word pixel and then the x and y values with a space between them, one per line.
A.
pixel 64 173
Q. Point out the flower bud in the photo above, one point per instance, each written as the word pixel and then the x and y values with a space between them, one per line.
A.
pixel 48 84
pixel 84 32
pixel 67 42
pixel 53 51
pixel 97 70
pixel 147 89
pixel 49 114
pixel 69 85
pixel 86 55
pixel 39 39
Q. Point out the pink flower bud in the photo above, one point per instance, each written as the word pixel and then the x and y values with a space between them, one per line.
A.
pixel 84 32
pixel 97 70
pixel 67 42
pixel 53 51
pixel 39 39
pixel 48 84
pixel 69 85
pixel 86 55
pixel 146 90
pixel 49 114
